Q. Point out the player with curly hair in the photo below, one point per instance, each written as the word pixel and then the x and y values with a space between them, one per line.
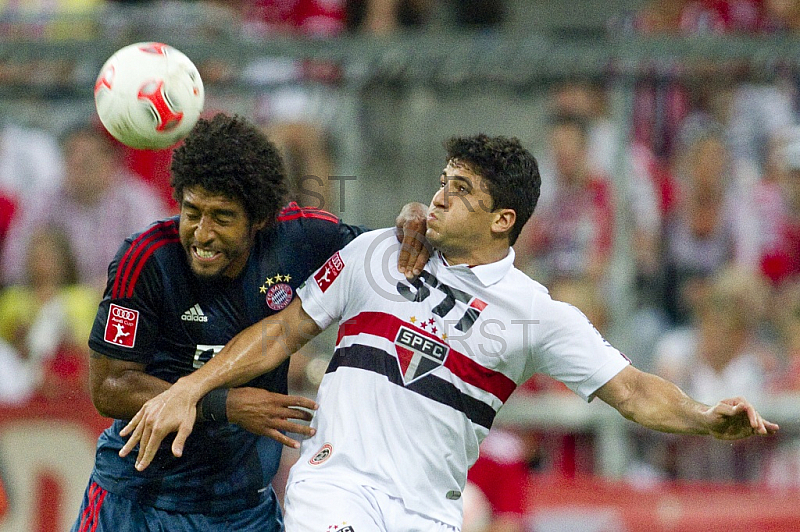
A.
pixel 176 294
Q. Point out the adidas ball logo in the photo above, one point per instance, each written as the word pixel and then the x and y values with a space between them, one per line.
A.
pixel 194 314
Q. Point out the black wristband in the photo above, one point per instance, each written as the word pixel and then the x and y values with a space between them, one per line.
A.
pixel 214 406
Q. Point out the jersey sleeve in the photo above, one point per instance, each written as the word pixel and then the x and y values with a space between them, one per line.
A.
pixel 322 233
pixel 126 325
pixel 329 293
pixel 571 350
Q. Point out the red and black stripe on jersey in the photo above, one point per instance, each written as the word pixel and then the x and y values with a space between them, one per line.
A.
pixel 141 249
pixel 293 211
pixel 464 368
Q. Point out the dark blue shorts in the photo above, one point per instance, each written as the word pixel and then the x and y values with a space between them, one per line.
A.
pixel 102 511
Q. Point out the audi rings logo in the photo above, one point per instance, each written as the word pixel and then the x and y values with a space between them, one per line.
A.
pixel 123 313
pixel 121 326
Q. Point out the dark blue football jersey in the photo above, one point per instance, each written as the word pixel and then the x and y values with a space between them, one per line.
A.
pixel 156 312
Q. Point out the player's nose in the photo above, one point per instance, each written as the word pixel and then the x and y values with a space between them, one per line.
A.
pixel 204 230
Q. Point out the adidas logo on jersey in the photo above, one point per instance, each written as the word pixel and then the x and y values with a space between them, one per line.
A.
pixel 194 314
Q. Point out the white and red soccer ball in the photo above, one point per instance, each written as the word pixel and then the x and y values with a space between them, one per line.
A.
pixel 149 95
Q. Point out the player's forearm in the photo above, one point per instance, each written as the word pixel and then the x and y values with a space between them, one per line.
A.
pixel 256 350
pixel 660 405
pixel 654 403
pixel 120 394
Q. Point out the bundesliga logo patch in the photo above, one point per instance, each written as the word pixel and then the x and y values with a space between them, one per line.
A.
pixel 329 272
pixel 121 326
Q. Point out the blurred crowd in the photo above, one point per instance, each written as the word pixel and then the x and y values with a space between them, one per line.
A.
pixel 702 194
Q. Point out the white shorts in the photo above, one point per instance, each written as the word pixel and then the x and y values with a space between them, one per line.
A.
pixel 320 506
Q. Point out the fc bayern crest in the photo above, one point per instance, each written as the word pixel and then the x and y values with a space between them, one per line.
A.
pixel 279 296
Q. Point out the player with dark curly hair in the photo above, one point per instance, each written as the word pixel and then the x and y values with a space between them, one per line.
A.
pixel 176 294
pixel 255 176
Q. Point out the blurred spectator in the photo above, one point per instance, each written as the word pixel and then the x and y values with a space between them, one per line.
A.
pixel 47 320
pixel 385 17
pixel 309 166
pixel 781 16
pixel 7 209
pixel 98 205
pixel 783 469
pixel 153 166
pixel 30 162
pixel 741 16
pixel 669 91
pixel 570 234
pixel 501 476
pixel 313 18
pixel 587 99
pixel 676 17
pixel 780 258
pixel 703 233
pixel 647 186
pixel 16 384
pixel 785 311
pixel 760 110
pixel 662 100
pixel 720 352
pixel 297 101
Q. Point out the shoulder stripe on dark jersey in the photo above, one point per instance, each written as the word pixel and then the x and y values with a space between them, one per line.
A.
pixel 466 369
pixel 131 264
pixel 434 388
pixel 293 211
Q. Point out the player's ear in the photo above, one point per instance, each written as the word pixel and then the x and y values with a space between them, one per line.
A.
pixel 258 226
pixel 504 220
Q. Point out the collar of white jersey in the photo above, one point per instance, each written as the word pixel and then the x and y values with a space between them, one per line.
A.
pixel 487 274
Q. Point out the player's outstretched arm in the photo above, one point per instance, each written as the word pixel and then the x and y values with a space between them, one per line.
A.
pixel 411 224
pixel 254 351
pixel 660 405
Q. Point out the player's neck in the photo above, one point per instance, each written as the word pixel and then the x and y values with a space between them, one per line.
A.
pixel 475 257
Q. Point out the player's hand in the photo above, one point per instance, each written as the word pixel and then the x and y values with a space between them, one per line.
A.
pixel 736 418
pixel 173 410
pixel 414 250
pixel 268 414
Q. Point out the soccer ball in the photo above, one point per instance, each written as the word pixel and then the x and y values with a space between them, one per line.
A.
pixel 148 95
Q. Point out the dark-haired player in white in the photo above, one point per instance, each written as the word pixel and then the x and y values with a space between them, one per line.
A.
pixel 421 367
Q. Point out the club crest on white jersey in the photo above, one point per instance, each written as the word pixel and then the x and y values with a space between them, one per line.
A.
pixel 418 354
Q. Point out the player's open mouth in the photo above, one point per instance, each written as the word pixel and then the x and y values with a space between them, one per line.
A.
pixel 204 254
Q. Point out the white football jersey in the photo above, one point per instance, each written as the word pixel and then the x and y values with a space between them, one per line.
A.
pixel 421 368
